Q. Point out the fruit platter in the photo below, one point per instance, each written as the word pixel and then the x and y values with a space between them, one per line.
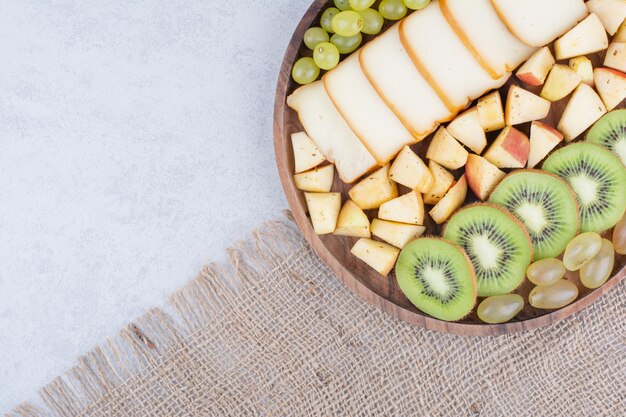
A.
pixel 460 164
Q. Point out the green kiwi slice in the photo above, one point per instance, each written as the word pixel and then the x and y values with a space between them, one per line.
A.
pixel 497 244
pixel 610 133
pixel 598 179
pixel 544 204
pixel 438 278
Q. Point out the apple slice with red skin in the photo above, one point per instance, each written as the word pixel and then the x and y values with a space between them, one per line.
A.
pixel 543 138
pixel 611 85
pixel 510 149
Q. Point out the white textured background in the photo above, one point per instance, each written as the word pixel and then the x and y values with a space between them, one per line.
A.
pixel 135 145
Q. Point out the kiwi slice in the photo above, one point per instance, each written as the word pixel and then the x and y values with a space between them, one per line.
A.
pixel 497 244
pixel 544 204
pixel 598 179
pixel 610 133
pixel 438 278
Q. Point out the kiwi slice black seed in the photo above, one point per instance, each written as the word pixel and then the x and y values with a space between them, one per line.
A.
pixel 438 278
pixel 598 179
pixel 497 244
pixel 544 204
pixel 610 133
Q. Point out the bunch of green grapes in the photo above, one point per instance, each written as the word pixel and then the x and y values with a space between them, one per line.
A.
pixel 346 22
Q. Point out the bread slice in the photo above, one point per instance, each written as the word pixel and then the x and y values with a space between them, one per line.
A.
pixel 401 85
pixel 539 22
pixel 477 24
pixel 452 70
pixel 382 133
pixel 330 132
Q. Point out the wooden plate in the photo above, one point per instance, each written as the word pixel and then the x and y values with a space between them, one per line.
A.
pixel 335 250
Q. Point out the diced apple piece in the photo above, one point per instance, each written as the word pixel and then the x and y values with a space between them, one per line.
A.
pixel 446 151
pixel 523 106
pixel 585 38
pixel 584 68
pixel 491 112
pixel 305 154
pixel 352 221
pixel 611 13
pixel 543 138
pixel 616 56
pixel 561 81
pixel 583 109
pixel 396 234
pixel 482 176
pixel 409 170
pixel 466 128
pixel 443 182
pixel 535 70
pixel 450 202
pixel 374 190
pixel 408 208
pixel 620 36
pixel 380 256
pixel 317 180
pixel 509 150
pixel 611 85
pixel 324 211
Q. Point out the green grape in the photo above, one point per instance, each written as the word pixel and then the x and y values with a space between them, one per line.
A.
pixel 346 44
pixel 372 21
pixel 305 71
pixel 347 23
pixel 327 19
pixel 416 4
pixel 343 5
pixel 360 4
pixel 392 9
pixel 326 55
pixel 314 36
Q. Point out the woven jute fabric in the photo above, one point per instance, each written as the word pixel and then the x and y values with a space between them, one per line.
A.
pixel 276 334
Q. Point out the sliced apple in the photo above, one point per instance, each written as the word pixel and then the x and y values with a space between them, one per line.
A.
pixel 305 154
pixel 408 208
pixel 611 85
pixel 482 176
pixel 535 70
pixel 324 211
pixel 620 36
pixel 409 170
pixel 396 234
pixel 466 128
pixel 616 56
pixel 491 112
pixel 561 81
pixel 509 150
pixel 451 202
pixel 523 106
pixel 378 255
pixel 443 182
pixel 446 151
pixel 543 138
pixel 584 68
pixel 611 13
pixel 352 221
pixel 374 190
pixel 585 38
pixel 317 180
pixel 583 109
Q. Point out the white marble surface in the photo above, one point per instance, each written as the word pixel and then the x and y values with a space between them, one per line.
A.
pixel 135 145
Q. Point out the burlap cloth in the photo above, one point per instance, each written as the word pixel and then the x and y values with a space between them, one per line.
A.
pixel 276 334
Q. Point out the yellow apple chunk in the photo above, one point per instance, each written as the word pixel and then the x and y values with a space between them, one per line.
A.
pixel 561 81
pixel 466 128
pixel 317 180
pixel 409 170
pixel 324 211
pixel 584 68
pixel 305 154
pixel 611 13
pixel 611 86
pixel 352 221
pixel 583 109
pixel 406 209
pixel 509 150
pixel 443 182
pixel 482 176
pixel 543 138
pixel 396 234
pixel 587 37
pixel 491 112
pixel 378 255
pixel 374 190
pixel 450 202
pixel 446 151
pixel 523 106
pixel 620 36
pixel 535 70
pixel 616 56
